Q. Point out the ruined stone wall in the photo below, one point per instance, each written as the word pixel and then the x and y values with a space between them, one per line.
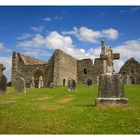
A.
pixel 84 70
pixel 28 72
pixel 49 71
pixel 25 70
pixel 65 67
pixel 131 71
pixel 98 69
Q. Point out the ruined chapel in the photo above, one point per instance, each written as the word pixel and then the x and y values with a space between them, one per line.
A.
pixel 60 68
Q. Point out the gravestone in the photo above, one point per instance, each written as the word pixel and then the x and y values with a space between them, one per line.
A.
pixel 97 79
pixel 71 85
pixel 3 80
pixel 88 82
pixel 32 84
pixel 41 82
pixel 51 85
pixel 127 79
pixel 3 84
pixel 111 88
pixel 19 85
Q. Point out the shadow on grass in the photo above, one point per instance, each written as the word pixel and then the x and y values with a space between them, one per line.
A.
pixel 90 105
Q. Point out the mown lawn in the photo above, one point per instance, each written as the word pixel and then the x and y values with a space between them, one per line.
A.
pixel 57 111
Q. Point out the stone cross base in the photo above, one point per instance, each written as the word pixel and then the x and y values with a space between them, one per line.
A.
pixel 111 89
pixel 111 101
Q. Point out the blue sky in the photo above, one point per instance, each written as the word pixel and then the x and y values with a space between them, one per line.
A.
pixel 37 31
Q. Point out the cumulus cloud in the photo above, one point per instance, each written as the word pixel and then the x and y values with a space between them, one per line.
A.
pixel 38 29
pixel 48 19
pixel 4 48
pixel 128 49
pixel 54 41
pixel 37 41
pixel 6 61
pixel 110 33
pixel 131 11
pixel 24 36
pixel 89 35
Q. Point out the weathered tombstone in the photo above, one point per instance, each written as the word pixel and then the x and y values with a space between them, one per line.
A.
pixel 19 85
pixel 88 82
pixel 127 79
pixel 97 79
pixel 3 84
pixel 51 85
pixel 32 84
pixel 71 85
pixel 111 88
pixel 3 80
pixel 41 82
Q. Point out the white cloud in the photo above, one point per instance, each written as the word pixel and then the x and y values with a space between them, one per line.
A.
pixel 89 35
pixel 130 48
pixel 36 41
pixel 110 33
pixel 57 18
pixel 7 62
pixel 38 29
pixel 3 48
pixel 24 36
pixel 48 19
pixel 131 11
pixel 56 41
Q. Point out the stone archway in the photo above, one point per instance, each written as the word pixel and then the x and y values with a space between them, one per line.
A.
pixel 38 77
pixel 132 80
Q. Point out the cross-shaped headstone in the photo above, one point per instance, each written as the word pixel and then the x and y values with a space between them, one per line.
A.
pixel 108 56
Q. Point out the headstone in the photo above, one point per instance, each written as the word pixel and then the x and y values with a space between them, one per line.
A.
pixel 88 82
pixel 3 80
pixel 32 84
pixel 41 82
pixel 71 85
pixel 111 88
pixel 3 84
pixel 19 85
pixel 97 79
pixel 51 85
pixel 127 79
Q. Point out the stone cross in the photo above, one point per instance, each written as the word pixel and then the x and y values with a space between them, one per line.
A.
pixel 108 56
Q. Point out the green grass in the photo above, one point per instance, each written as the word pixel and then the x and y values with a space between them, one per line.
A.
pixel 57 111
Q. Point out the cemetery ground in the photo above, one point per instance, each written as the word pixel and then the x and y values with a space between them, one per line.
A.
pixel 57 111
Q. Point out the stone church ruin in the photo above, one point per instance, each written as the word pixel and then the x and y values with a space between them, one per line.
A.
pixel 131 72
pixel 62 67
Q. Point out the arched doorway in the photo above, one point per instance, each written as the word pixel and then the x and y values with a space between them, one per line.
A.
pixel 64 82
pixel 38 79
pixel 132 80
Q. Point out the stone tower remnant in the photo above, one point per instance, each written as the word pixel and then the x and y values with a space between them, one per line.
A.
pixel 111 90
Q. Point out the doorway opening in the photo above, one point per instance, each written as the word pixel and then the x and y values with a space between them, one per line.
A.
pixel 64 82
